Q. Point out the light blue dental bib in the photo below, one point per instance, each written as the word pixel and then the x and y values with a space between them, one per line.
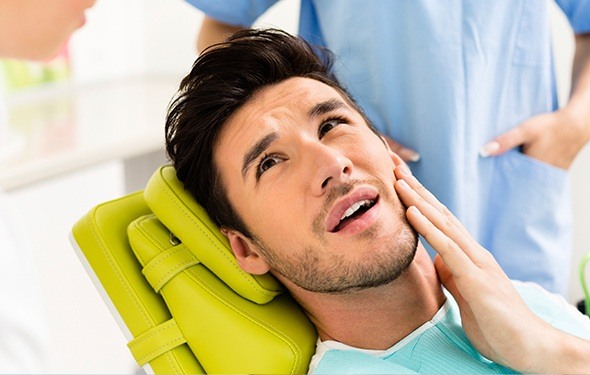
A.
pixel 440 345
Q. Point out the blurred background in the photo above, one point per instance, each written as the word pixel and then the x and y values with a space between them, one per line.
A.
pixel 87 127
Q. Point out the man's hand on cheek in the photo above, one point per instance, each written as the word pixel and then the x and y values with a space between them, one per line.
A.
pixel 494 317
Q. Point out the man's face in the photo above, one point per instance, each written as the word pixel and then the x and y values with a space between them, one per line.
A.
pixel 315 186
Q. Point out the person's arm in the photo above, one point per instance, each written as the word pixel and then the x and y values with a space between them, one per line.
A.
pixel 495 318
pixel 213 31
pixel 579 103
pixel 557 137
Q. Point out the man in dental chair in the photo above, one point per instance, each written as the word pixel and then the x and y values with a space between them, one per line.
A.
pixel 303 187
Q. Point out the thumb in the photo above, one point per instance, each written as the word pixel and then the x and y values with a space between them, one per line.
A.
pixel 468 319
pixel 512 138
pixel 446 278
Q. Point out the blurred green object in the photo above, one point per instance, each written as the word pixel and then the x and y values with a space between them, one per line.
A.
pixel 16 74
pixel 583 265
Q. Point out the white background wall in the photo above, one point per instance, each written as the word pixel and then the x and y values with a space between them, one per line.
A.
pixel 135 37
pixel 154 37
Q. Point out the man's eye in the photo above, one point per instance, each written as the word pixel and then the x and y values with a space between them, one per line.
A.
pixel 328 125
pixel 267 162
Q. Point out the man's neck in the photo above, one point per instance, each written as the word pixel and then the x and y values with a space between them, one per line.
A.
pixel 377 318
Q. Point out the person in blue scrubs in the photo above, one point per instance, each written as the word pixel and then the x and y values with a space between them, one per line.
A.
pixel 457 82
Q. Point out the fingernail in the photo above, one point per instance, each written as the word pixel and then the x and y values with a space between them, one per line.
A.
pixel 405 170
pixel 414 209
pixel 414 156
pixel 404 184
pixel 489 149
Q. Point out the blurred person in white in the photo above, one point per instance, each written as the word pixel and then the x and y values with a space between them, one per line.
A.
pixel 29 30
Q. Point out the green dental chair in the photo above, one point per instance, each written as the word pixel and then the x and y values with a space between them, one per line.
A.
pixel 176 291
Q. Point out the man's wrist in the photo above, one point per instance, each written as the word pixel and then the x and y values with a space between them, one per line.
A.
pixel 570 354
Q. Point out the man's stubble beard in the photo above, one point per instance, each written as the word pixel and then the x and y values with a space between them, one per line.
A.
pixel 337 274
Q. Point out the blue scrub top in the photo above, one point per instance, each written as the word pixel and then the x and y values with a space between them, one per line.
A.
pixel 444 78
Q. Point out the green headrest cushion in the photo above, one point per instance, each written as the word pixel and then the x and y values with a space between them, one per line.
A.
pixel 177 209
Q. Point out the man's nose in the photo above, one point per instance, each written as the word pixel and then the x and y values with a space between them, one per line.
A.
pixel 329 167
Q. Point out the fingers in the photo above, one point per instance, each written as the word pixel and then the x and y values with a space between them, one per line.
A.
pixel 437 224
pixel 427 203
pixel 504 142
pixel 448 280
pixel 552 138
pixel 397 160
pixel 518 136
pixel 407 154
pixel 444 274
pixel 403 173
pixel 455 258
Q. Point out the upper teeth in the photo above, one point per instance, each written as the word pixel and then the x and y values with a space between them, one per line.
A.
pixel 352 209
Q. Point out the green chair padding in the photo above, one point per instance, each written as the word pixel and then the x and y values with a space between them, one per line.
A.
pixel 178 294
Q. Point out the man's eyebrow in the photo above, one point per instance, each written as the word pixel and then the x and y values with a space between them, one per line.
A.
pixel 326 106
pixel 256 150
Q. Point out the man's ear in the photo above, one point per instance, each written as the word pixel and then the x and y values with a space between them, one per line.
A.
pixel 246 253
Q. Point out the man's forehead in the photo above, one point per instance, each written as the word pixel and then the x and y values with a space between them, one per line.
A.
pixel 294 93
pixel 269 106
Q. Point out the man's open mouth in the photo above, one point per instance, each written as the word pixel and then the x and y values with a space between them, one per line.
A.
pixel 353 212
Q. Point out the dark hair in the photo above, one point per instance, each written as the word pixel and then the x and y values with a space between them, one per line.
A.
pixel 223 78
